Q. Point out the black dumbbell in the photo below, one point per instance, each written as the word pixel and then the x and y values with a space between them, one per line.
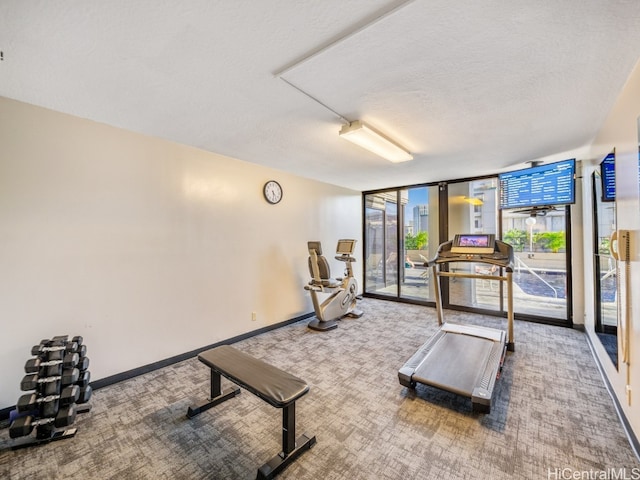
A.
pixel 77 339
pixel 81 350
pixel 55 341
pixel 85 394
pixel 33 365
pixel 83 379
pixel 69 395
pixel 24 425
pixel 46 348
pixel 83 364
pixel 69 377
pixel 50 371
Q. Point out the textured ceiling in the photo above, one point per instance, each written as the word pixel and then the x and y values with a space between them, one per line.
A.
pixel 470 88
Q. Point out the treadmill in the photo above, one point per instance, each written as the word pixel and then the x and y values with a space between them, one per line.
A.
pixel 465 359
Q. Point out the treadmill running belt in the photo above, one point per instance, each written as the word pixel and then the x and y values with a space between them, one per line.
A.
pixel 455 363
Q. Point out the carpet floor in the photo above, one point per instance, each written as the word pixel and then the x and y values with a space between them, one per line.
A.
pixel 551 415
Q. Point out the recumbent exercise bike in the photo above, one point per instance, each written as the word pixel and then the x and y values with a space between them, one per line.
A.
pixel 342 292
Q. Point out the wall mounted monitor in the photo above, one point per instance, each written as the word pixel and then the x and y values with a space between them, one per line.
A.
pixel 542 185
pixel 608 177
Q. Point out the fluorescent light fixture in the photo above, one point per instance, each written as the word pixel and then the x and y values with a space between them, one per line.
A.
pixel 473 200
pixel 374 141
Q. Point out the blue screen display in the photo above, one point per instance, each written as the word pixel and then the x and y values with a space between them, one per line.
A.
pixel 608 175
pixel 542 185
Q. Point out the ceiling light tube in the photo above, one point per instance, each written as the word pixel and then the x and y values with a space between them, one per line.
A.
pixel 474 200
pixel 374 141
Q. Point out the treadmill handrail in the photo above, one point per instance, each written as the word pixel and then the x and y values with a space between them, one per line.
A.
pixel 445 256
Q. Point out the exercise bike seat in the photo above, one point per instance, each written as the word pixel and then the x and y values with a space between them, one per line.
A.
pixel 326 282
pixel 321 275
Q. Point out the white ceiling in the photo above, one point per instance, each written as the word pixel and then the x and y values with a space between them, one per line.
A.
pixel 469 87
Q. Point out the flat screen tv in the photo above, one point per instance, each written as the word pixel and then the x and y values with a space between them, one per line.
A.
pixel 608 176
pixel 539 186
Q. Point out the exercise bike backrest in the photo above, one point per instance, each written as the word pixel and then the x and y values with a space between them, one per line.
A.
pixel 319 266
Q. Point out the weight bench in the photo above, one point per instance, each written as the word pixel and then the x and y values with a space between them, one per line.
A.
pixel 276 387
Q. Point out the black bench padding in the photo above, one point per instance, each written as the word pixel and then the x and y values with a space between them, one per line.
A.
pixel 273 385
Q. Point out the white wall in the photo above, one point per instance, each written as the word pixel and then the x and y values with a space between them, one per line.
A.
pixel 146 248
pixel 620 131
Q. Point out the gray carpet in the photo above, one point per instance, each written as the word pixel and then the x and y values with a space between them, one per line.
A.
pixel 551 413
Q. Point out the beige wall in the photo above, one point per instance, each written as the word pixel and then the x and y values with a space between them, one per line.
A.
pixel 146 248
pixel 620 131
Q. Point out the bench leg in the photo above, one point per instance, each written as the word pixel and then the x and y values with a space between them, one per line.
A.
pixel 289 428
pixel 291 448
pixel 217 396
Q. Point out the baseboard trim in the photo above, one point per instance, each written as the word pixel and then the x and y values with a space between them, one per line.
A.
pixel 119 377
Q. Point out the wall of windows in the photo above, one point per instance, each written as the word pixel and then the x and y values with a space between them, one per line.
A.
pixel 405 226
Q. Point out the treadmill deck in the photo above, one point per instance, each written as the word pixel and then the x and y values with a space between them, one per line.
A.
pixel 462 359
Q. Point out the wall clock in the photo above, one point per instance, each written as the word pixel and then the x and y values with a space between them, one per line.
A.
pixel 272 192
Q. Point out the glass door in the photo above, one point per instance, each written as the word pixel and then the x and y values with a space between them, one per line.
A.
pixel 420 241
pixel 472 208
pixel 540 239
pixel 381 243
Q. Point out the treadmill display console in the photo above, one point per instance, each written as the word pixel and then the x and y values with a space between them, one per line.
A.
pixel 473 243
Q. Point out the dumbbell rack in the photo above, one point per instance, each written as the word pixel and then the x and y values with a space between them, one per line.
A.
pixel 58 378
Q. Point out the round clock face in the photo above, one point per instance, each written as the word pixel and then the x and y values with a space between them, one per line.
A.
pixel 272 192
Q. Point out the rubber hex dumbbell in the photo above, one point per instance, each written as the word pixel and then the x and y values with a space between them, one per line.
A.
pixel 69 395
pixel 45 347
pixel 34 365
pixel 84 378
pixel 50 371
pixel 81 350
pixel 23 426
pixel 83 363
pixel 69 377
pixel 85 394
pixel 50 403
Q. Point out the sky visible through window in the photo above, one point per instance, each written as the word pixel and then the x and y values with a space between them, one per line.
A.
pixel 417 196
